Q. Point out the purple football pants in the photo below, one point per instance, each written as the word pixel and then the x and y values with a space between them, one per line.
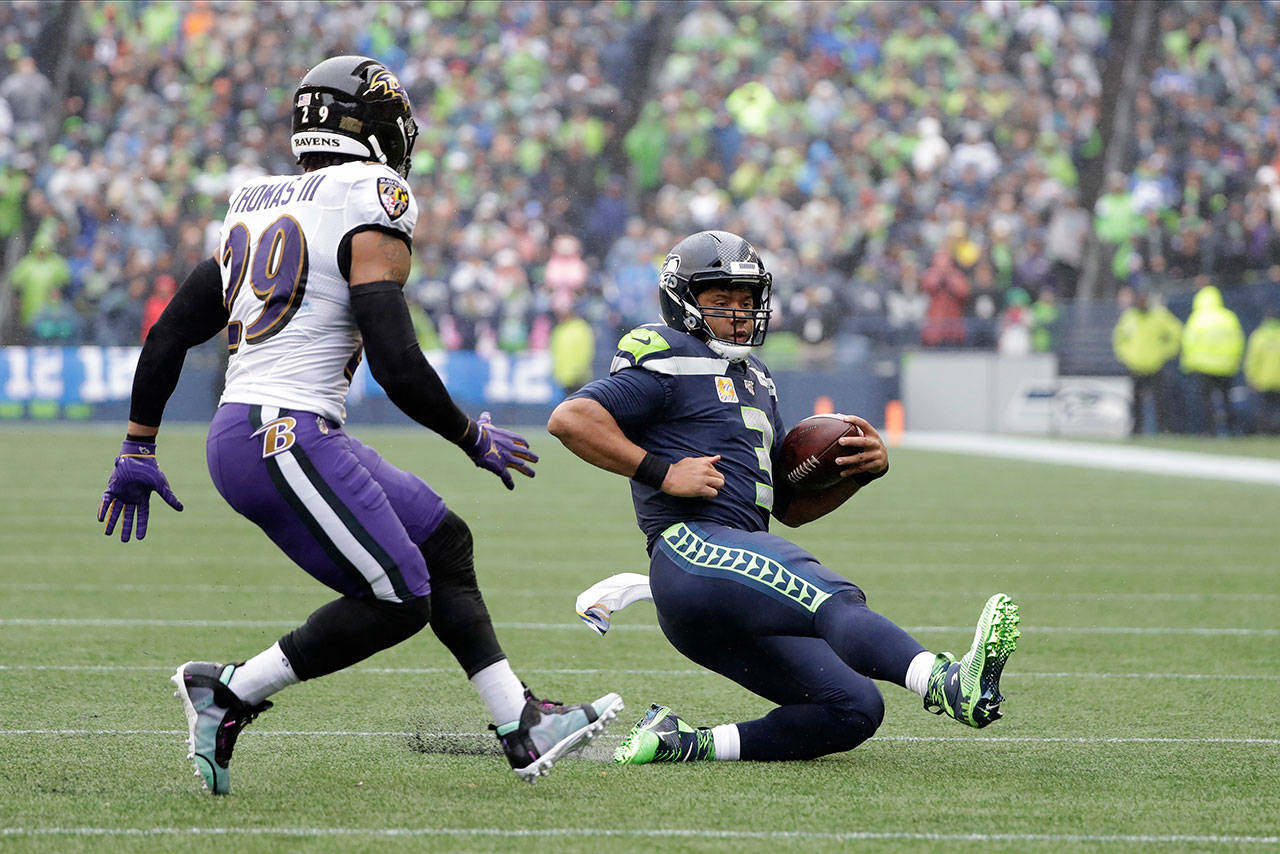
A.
pixel 332 504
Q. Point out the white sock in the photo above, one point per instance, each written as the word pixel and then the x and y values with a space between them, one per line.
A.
pixel 501 691
pixel 263 675
pixel 728 745
pixel 918 672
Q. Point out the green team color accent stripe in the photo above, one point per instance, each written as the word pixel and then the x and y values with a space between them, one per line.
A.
pixel 763 570
pixel 642 342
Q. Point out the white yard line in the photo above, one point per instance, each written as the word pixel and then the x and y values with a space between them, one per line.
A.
pixel 233 589
pixel 485 736
pixel 642 833
pixel 624 671
pixel 112 622
pixel 1101 456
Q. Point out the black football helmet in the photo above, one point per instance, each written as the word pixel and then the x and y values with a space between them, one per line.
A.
pixel 354 105
pixel 714 258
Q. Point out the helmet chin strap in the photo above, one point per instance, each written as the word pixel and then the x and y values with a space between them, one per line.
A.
pixel 732 352
pixel 377 149
pixel 694 320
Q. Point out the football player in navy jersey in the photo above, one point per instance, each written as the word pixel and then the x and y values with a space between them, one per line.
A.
pixel 690 415
pixel 307 279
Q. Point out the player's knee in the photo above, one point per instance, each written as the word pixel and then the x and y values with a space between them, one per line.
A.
pixel 858 716
pixel 347 630
pixel 853 597
pixel 405 619
pixel 458 606
pixel 449 553
pixel 398 620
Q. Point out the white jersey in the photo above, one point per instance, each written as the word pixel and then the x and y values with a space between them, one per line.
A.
pixel 293 339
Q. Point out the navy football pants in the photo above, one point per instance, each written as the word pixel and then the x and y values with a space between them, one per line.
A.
pixel 765 613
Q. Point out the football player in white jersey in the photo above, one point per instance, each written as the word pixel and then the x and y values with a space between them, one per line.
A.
pixel 308 278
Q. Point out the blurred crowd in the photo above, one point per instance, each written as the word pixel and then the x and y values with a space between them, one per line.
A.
pixel 913 170
pixel 910 171
pixel 168 106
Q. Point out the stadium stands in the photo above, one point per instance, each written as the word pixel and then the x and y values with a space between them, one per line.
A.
pixel 850 141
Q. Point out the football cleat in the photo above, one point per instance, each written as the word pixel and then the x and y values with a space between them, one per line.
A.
pixel 215 717
pixel 663 736
pixel 548 730
pixel 969 689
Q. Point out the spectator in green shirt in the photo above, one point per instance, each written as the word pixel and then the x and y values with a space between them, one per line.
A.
pixel 55 323
pixel 36 276
pixel 1115 220
pixel 1044 319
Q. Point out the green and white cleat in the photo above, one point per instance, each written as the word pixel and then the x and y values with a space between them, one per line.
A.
pixel 215 717
pixel 969 689
pixel 663 736
pixel 548 730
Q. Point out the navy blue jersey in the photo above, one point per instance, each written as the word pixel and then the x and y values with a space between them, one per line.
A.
pixel 675 397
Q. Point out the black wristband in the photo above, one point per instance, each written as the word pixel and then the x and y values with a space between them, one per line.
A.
pixel 651 472
pixel 864 478
pixel 469 436
pixel 129 437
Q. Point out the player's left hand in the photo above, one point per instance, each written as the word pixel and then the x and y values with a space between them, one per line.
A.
pixel 498 450
pixel 867 457
pixel 135 476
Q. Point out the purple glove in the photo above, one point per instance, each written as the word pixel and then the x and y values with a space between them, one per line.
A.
pixel 135 476
pixel 497 450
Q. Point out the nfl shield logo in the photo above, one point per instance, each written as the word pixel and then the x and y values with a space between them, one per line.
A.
pixel 394 197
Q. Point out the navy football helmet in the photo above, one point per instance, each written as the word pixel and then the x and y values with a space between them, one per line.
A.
pixel 354 105
pixel 719 259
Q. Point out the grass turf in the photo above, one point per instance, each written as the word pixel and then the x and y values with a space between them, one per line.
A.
pixel 1141 703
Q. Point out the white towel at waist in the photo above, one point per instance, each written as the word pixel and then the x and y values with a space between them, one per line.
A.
pixel 596 604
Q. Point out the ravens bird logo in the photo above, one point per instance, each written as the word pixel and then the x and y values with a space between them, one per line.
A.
pixel 388 84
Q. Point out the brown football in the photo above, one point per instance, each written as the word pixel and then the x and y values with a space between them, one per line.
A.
pixel 810 449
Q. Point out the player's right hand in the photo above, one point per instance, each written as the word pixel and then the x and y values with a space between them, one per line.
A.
pixel 694 477
pixel 865 457
pixel 135 476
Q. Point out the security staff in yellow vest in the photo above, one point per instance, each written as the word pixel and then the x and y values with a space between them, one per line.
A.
pixel 1212 349
pixel 572 345
pixel 1145 338
pixel 1262 369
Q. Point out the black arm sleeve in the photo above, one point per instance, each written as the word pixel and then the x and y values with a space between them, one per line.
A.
pixel 193 316
pixel 397 363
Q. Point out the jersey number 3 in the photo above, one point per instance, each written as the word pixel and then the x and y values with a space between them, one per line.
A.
pixel 277 268
pixel 756 419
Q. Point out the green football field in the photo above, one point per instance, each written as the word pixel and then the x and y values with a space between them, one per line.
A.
pixel 1142 712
